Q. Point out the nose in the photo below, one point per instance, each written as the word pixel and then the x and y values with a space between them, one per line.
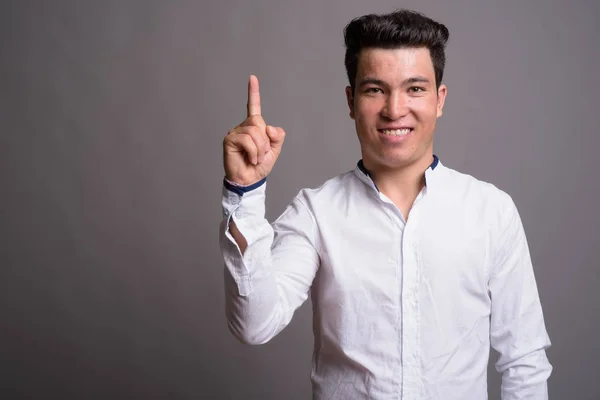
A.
pixel 396 106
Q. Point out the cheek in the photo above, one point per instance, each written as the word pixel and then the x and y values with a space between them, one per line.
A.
pixel 426 110
pixel 367 110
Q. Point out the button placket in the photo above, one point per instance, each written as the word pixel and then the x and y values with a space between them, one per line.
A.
pixel 410 309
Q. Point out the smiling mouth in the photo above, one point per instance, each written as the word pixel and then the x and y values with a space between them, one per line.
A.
pixel 396 132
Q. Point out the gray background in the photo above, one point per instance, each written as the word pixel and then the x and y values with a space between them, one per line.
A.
pixel 112 116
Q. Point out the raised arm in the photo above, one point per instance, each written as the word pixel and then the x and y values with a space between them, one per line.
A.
pixel 268 269
pixel 250 151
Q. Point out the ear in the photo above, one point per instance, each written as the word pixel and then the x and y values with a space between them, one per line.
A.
pixel 350 100
pixel 441 98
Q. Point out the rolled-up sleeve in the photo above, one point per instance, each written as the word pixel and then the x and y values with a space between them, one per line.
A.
pixel 517 330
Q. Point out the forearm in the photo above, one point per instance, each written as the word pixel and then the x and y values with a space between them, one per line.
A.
pixel 258 315
pixel 268 269
pixel 252 305
pixel 518 330
pixel 238 237
pixel 526 377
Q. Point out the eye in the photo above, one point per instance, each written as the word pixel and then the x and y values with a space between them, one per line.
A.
pixel 373 90
pixel 416 89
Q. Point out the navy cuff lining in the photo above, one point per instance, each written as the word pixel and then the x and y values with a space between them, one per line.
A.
pixel 240 190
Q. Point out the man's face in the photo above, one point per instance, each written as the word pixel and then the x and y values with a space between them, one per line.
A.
pixel 395 106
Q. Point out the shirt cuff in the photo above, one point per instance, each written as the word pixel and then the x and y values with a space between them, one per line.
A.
pixel 239 189
pixel 249 204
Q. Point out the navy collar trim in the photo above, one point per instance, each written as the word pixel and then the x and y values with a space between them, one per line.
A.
pixel 435 162
pixel 362 168
pixel 361 165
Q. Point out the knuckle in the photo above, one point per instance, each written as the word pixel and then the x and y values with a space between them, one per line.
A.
pixel 249 131
pixel 255 132
pixel 230 138
pixel 252 130
pixel 245 139
pixel 250 143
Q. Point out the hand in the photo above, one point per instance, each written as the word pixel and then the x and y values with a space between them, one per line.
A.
pixel 251 148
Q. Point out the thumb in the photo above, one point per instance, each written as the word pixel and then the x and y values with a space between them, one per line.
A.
pixel 276 135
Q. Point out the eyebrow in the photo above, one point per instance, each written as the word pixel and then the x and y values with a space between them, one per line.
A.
pixel 371 81
pixel 406 82
pixel 415 79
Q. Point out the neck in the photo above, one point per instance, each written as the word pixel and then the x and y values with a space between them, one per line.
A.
pixel 401 185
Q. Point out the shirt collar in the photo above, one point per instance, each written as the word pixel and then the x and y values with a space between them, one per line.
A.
pixel 364 175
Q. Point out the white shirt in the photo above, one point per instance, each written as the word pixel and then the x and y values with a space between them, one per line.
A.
pixel 402 310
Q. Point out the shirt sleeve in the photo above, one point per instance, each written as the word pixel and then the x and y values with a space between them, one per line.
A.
pixel 265 285
pixel 517 330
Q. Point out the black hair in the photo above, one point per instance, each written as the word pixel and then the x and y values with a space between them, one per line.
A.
pixel 401 28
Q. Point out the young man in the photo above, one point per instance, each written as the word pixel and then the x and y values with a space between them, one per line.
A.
pixel 414 269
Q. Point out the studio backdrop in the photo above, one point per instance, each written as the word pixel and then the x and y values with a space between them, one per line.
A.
pixel 112 117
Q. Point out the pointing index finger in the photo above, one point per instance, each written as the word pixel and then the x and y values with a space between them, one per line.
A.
pixel 253 105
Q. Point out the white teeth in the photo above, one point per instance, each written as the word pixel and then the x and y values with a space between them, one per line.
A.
pixel 396 132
